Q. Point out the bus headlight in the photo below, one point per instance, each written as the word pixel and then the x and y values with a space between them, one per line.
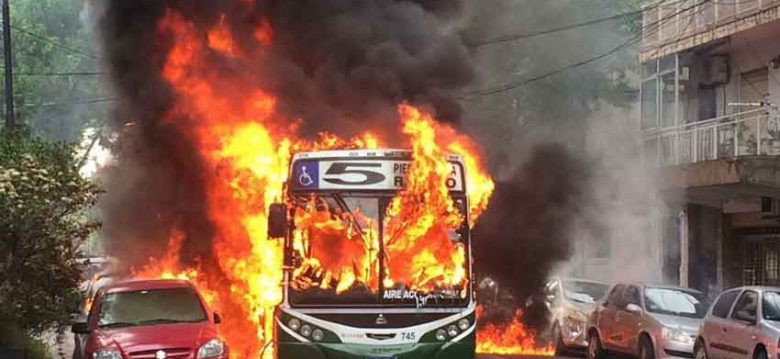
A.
pixel 452 330
pixel 306 330
pixel 317 335
pixel 464 324
pixel 441 335
pixel 294 324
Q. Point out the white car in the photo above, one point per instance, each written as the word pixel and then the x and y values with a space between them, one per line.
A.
pixel 570 302
pixel 743 323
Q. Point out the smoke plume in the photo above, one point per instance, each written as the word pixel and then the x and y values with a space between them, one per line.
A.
pixel 336 65
pixel 526 230
pixel 340 66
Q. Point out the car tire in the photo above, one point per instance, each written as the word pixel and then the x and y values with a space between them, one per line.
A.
pixel 557 336
pixel 595 349
pixel 646 350
pixel 700 352
pixel 761 354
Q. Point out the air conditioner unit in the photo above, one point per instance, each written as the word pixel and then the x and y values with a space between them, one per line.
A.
pixel 770 208
pixel 716 71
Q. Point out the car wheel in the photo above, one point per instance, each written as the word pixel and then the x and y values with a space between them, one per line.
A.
pixel 700 352
pixel 761 354
pixel 557 336
pixel 646 350
pixel 595 350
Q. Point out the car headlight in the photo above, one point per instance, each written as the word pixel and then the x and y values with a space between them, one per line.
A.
pixel 464 324
pixel 576 316
pixel 108 354
pixel 212 349
pixel 676 335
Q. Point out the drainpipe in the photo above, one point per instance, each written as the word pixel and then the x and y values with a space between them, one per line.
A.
pixel 682 219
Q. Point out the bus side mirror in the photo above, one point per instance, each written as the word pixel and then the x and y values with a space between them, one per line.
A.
pixel 277 220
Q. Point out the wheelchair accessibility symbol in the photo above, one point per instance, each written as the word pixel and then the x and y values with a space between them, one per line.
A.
pixel 304 178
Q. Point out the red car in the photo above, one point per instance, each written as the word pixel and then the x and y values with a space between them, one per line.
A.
pixel 149 319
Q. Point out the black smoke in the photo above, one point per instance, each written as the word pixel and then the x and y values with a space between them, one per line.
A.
pixel 337 65
pixel 526 230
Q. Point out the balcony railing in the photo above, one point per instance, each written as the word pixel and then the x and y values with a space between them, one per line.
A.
pixel 750 133
pixel 676 25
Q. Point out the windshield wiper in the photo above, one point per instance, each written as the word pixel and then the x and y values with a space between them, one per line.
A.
pixel 165 321
pixel 117 325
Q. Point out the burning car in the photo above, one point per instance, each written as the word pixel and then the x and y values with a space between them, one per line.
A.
pixel 149 319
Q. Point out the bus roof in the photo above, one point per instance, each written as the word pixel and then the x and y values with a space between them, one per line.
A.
pixel 389 153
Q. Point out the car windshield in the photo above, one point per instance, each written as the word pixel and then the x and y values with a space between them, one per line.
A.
pixel 336 251
pixel 584 291
pixel 771 306
pixel 677 302
pixel 150 307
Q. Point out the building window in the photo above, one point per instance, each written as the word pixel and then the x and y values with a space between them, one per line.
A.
pixel 762 261
pixel 659 91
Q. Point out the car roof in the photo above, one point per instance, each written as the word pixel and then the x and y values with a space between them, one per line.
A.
pixel 754 287
pixel 146 284
pixel 660 286
pixel 575 279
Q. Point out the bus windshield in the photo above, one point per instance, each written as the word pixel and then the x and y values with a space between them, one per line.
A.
pixel 344 257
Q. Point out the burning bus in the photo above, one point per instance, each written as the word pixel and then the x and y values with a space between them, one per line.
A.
pixel 370 271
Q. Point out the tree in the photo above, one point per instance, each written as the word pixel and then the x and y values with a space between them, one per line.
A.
pixel 556 107
pixel 57 82
pixel 42 223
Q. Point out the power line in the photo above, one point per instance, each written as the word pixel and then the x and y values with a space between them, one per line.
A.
pixel 74 102
pixel 508 87
pixel 510 38
pixel 628 42
pixel 56 74
pixel 55 43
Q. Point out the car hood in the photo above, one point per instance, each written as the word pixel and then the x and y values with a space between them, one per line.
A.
pixel 155 337
pixel 773 325
pixel 672 321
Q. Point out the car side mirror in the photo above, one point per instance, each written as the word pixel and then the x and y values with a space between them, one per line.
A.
pixel 634 309
pixel 277 220
pixel 217 318
pixel 745 316
pixel 80 328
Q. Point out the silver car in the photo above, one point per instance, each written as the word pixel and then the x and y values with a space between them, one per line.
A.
pixel 743 323
pixel 570 302
pixel 646 321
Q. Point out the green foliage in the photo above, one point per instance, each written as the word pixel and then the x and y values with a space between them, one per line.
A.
pixel 42 224
pixel 557 107
pixel 49 40
pixel 12 336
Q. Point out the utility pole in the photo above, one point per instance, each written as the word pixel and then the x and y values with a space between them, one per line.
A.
pixel 10 117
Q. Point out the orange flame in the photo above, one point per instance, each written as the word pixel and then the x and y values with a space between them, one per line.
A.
pixel 511 338
pixel 245 145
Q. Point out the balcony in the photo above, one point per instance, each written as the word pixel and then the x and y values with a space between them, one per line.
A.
pixel 678 25
pixel 750 133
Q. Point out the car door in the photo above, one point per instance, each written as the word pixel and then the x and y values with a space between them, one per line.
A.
pixel 740 332
pixel 608 318
pixel 713 328
pixel 627 322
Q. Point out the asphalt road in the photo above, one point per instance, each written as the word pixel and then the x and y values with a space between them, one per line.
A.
pixel 485 356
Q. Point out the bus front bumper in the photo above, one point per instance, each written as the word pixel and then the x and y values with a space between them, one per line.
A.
pixel 459 350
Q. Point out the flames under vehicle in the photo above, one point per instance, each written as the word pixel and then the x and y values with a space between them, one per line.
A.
pixel 358 282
